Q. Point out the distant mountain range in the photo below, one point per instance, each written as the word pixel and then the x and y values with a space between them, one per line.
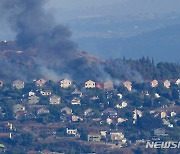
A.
pixel 133 37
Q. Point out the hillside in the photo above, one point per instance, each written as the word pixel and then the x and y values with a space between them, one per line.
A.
pixel 26 65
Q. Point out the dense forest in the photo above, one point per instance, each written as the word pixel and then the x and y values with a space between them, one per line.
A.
pixel 142 69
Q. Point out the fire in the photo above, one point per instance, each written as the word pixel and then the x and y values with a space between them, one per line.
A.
pixel 98 85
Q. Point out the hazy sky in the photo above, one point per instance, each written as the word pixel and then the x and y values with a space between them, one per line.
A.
pixel 66 10
pixel 73 8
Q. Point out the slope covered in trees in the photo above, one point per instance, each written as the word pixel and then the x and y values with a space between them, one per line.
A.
pixel 142 69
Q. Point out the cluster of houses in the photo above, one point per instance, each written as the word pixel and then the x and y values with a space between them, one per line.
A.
pixel 108 85
pixel 108 116
pixel 113 136
pixel 20 110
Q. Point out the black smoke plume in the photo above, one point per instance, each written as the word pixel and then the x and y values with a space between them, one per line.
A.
pixel 46 45
pixel 37 31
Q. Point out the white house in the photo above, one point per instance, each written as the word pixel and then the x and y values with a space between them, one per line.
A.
pixel 157 95
pixel 178 82
pixel 109 121
pixel 42 111
pixel 167 84
pixel 55 100
pixel 76 118
pixel 33 99
pixel 87 111
pixel 120 120
pixel 77 93
pixel 136 114
pixel 67 110
pixel 45 92
pixel 122 105
pixel 18 84
pixel 76 101
pixel 90 84
pixel 173 114
pixel 118 136
pixel 103 133
pixel 120 95
pixel 71 131
pixel 65 83
pixel 18 108
pixel 31 93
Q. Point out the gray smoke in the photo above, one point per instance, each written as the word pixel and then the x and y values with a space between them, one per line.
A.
pixel 49 45
pixel 36 30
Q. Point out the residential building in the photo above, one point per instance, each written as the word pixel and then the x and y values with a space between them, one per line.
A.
pixel 66 118
pixel 110 112
pixel 71 131
pixel 6 135
pixel 103 133
pixel 108 85
pixel 55 100
pixel 43 111
pixel 76 101
pixel 31 93
pixel 159 132
pixel 94 137
pixel 2 148
pixel 128 85
pixel 90 84
pixel 18 84
pixel 94 98
pixel 121 120
pixel 178 82
pixel 117 137
pixel 45 92
pixel 87 112
pixel 167 84
pixel 76 118
pixel 120 96
pixel 154 83
pixel 163 115
pixel 67 110
pixel 65 83
pixel 157 95
pixel 20 114
pixel 1 83
pixel 18 107
pixel 172 114
pixel 76 92
pixel 40 82
pixel 122 105
pixel 33 99
pixel 109 121
pixel 136 114
pixel 6 127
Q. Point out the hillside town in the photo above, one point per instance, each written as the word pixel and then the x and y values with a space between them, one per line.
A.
pixel 43 116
